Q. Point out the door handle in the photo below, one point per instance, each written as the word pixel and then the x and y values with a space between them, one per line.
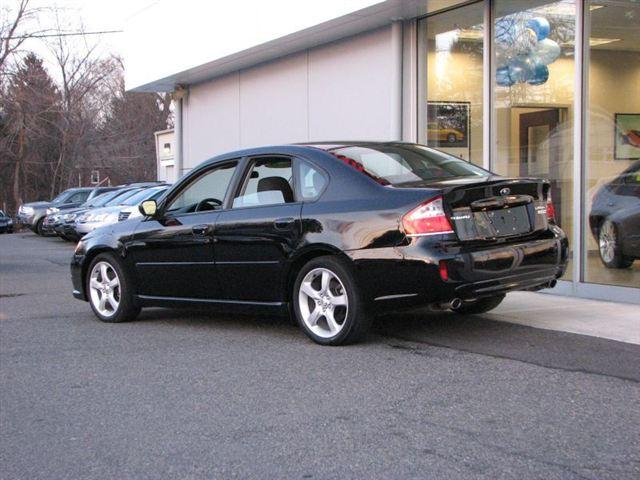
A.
pixel 200 230
pixel 284 223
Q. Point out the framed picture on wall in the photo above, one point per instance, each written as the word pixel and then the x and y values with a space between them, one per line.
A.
pixel 627 132
pixel 448 125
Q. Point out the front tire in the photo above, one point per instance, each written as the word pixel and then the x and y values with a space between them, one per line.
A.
pixel 609 247
pixel 327 303
pixel 38 228
pixel 109 290
pixel 482 305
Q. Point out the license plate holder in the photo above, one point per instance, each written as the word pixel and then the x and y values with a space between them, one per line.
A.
pixel 503 222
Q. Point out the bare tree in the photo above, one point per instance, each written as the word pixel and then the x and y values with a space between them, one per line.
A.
pixel 12 28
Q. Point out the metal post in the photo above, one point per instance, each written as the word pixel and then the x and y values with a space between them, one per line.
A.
pixel 396 80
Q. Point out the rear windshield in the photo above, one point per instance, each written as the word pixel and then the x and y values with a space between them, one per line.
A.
pixel 406 164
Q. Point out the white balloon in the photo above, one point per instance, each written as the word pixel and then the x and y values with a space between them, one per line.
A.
pixel 547 51
pixel 524 41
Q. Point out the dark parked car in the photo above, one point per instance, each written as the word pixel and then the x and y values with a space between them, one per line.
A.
pixel 615 219
pixel 6 223
pixel 32 214
pixel 331 233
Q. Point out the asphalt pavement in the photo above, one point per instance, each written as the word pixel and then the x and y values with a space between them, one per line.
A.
pixel 194 395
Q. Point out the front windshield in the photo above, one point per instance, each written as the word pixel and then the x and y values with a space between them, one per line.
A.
pixel 143 195
pixel 61 196
pixel 120 199
pixel 100 200
pixel 403 164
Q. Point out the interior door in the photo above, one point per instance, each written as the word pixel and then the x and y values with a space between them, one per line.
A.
pixel 539 151
pixel 256 236
pixel 173 255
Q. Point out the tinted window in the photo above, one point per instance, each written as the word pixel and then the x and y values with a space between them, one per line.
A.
pixel 211 186
pixel 312 181
pixel 269 182
pixel 403 164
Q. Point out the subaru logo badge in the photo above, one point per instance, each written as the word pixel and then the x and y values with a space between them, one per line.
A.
pixel 505 191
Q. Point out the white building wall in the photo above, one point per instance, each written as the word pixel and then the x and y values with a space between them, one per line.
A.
pixel 333 92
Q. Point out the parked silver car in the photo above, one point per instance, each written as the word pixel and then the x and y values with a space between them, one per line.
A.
pixel 100 217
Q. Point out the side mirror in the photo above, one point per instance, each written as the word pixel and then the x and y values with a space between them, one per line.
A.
pixel 148 208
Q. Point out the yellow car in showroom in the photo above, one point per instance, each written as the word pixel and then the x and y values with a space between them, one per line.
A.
pixel 439 135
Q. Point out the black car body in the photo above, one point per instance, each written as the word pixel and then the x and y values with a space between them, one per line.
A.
pixel 402 241
pixel 615 219
pixel 6 223
pixel 32 214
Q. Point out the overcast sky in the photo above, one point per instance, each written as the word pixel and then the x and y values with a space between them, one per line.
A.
pixel 166 36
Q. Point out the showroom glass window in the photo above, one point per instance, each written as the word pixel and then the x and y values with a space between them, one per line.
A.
pixel 452 64
pixel 612 144
pixel 534 51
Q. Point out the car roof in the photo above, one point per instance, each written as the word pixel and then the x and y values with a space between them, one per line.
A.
pixel 293 149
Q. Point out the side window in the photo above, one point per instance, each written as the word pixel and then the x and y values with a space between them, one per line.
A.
pixel 270 182
pixel 312 181
pixel 205 192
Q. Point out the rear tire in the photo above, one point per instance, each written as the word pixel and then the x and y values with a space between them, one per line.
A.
pixel 609 247
pixel 327 303
pixel 482 305
pixel 109 290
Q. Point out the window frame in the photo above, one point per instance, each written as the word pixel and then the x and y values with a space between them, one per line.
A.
pixel 190 179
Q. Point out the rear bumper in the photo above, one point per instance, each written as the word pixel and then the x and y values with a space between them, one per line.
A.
pixel 411 275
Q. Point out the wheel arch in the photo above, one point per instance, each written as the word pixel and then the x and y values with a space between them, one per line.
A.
pixel 89 256
pixel 302 258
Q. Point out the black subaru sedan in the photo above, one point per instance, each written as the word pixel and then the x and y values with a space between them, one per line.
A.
pixel 331 233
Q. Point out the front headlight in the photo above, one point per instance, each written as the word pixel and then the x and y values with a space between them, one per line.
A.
pixel 27 210
pixel 52 210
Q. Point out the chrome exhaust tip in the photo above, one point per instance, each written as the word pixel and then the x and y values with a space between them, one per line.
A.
pixel 455 304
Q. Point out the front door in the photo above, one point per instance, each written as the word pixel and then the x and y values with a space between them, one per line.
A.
pixel 256 236
pixel 173 255
pixel 539 151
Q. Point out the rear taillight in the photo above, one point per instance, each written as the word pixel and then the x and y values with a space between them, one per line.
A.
pixel 551 211
pixel 427 219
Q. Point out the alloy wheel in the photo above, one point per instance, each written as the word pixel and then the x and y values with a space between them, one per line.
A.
pixel 104 289
pixel 323 302
pixel 607 241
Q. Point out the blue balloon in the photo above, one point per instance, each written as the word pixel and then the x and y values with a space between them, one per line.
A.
pixel 540 74
pixel 502 77
pixel 541 26
pixel 520 69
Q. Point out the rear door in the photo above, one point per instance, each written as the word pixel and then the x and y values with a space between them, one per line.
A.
pixel 257 235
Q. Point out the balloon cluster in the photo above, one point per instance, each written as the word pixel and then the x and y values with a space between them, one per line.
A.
pixel 523 51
